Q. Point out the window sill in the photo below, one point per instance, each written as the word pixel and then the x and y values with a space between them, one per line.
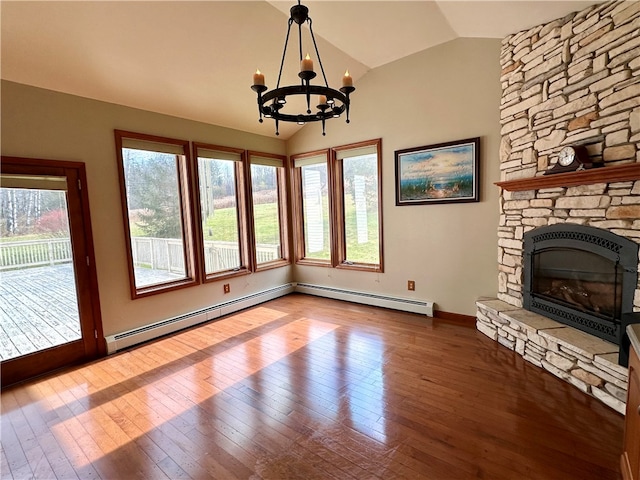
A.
pixel 271 265
pixel 363 267
pixel 213 277
pixel 162 288
pixel 314 263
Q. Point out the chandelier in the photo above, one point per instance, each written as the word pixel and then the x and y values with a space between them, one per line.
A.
pixel 331 103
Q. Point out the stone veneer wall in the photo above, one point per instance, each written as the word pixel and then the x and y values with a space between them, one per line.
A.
pixel 573 81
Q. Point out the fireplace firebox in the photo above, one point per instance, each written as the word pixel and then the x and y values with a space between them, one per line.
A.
pixel 584 277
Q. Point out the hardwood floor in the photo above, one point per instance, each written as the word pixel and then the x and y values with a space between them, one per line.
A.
pixel 310 388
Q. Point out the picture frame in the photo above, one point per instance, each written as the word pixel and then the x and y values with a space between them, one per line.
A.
pixel 440 173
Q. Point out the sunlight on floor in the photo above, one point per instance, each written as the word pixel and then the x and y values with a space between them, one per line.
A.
pixel 178 388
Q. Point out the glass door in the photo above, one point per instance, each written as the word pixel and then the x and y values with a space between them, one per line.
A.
pixel 47 303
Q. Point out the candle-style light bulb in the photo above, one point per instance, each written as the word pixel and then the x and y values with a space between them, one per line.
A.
pixel 306 65
pixel 347 80
pixel 258 78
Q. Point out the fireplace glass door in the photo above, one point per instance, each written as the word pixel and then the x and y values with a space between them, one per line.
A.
pixel 580 280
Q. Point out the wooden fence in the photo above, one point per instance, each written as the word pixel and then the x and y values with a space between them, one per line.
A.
pixel 157 253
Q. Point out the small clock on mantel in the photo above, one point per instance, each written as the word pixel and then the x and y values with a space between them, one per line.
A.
pixel 572 159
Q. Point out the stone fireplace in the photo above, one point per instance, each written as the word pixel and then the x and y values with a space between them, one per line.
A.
pixel 573 81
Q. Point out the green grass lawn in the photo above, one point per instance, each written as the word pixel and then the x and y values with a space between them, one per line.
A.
pixel 362 252
pixel 356 252
pixel 222 226
pixel 31 237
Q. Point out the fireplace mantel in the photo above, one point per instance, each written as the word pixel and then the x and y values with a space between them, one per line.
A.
pixel 618 173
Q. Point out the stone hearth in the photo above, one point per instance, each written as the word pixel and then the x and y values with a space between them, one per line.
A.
pixel 587 362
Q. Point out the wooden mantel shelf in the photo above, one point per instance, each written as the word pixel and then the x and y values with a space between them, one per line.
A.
pixel 618 173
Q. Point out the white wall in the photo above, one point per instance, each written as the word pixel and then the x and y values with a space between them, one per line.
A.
pixel 40 123
pixel 446 93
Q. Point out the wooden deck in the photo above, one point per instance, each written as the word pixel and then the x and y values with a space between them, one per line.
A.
pixel 39 307
pixel 307 388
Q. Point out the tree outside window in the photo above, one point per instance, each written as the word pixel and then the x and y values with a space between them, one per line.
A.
pixel 154 179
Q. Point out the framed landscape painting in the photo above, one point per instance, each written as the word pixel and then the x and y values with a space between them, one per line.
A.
pixel 441 173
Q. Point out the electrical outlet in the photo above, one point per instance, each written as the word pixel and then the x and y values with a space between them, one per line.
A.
pixel 227 288
pixel 411 285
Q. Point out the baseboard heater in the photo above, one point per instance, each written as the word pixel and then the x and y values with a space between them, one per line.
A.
pixel 149 332
pixel 395 303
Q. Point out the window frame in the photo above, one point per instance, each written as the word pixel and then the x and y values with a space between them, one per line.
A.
pixel 242 213
pixel 340 235
pixel 282 180
pixel 337 230
pixel 185 195
pixel 298 210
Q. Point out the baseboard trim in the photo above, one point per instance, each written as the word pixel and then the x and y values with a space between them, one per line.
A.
pixel 158 329
pixel 466 320
pixel 155 330
pixel 424 307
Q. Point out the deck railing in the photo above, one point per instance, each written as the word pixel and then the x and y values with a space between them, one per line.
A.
pixel 267 252
pixel 167 254
pixel 34 253
pixel 156 253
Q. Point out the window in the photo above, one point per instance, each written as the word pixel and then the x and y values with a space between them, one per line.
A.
pixel 188 221
pixel 154 180
pixel 358 194
pixel 223 223
pixel 313 206
pixel 269 210
pixel 338 207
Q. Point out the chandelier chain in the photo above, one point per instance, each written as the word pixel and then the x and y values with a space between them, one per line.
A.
pixel 284 52
pixel 315 45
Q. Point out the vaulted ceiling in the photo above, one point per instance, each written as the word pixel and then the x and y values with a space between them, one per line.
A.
pixel 195 60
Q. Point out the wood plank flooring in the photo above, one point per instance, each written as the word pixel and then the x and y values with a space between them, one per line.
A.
pixel 310 388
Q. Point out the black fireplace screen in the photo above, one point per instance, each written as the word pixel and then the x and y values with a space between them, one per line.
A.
pixel 581 276
pixel 579 279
